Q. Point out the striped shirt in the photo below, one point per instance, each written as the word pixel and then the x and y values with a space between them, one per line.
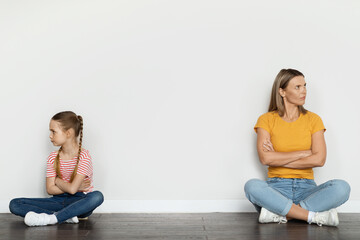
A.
pixel 67 167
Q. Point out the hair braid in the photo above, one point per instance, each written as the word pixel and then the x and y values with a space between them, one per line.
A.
pixel 57 164
pixel 80 119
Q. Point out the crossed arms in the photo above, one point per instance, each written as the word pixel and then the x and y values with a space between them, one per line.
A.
pixel 315 157
pixel 55 185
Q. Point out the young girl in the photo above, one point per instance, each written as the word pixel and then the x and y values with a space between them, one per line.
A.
pixel 69 178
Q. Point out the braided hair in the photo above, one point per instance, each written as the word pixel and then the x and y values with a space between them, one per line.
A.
pixel 69 120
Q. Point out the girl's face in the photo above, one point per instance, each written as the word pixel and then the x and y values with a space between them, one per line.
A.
pixel 295 92
pixel 57 136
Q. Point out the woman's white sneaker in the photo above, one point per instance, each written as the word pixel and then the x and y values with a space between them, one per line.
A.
pixel 269 217
pixel 328 218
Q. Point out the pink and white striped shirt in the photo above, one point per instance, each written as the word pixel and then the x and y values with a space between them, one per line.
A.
pixel 67 167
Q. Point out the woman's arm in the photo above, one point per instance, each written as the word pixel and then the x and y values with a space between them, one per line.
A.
pixel 78 184
pixel 318 157
pixel 51 188
pixel 276 159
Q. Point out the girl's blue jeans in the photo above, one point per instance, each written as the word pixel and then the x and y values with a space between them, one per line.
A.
pixel 64 206
pixel 278 194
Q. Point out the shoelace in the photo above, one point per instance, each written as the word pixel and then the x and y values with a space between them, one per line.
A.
pixel 280 219
pixel 319 220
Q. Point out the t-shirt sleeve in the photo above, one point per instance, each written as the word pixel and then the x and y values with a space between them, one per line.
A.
pixel 50 170
pixel 317 124
pixel 263 122
pixel 85 164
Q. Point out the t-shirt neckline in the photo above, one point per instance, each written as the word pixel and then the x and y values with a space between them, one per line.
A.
pixel 289 122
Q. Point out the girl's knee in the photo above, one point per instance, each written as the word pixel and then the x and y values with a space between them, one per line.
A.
pixel 14 204
pixel 97 198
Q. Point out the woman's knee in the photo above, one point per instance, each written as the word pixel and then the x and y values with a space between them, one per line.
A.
pixel 253 185
pixel 342 188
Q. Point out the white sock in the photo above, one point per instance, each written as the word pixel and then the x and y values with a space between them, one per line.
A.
pixel 311 216
pixel 73 220
pixel 39 219
pixel 52 219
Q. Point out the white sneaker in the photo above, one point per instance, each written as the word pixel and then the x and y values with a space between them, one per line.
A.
pixel 329 218
pixel 73 220
pixel 268 217
pixel 38 219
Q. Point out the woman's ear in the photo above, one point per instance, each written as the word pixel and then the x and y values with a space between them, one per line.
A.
pixel 282 92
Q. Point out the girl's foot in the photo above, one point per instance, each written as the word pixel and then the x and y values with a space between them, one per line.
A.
pixel 39 219
pixel 73 220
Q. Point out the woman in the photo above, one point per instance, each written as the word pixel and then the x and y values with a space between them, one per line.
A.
pixel 290 141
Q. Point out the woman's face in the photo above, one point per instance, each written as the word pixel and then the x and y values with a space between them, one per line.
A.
pixel 295 92
pixel 57 136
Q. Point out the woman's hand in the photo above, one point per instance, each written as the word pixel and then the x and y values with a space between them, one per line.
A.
pixel 85 185
pixel 267 146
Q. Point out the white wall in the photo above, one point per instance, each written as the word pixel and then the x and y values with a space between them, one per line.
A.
pixel 170 92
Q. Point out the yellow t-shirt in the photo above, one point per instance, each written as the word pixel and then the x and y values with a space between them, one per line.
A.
pixel 289 137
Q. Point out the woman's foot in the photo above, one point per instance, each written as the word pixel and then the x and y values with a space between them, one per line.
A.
pixel 39 219
pixel 328 218
pixel 269 217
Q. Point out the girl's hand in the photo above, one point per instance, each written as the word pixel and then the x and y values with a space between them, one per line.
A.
pixel 267 146
pixel 85 185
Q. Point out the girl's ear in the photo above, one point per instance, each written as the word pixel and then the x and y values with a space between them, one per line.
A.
pixel 70 132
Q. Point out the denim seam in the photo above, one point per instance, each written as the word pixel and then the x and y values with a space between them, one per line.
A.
pixel 302 202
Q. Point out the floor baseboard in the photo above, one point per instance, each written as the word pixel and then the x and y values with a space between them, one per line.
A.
pixel 186 206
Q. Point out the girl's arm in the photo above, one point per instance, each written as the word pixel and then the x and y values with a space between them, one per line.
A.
pixel 318 157
pixel 78 184
pixel 51 188
pixel 276 159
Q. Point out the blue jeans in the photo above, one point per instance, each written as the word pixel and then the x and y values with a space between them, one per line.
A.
pixel 64 206
pixel 278 194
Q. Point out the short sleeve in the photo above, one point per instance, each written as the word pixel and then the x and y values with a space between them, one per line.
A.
pixel 85 164
pixel 50 170
pixel 263 122
pixel 316 124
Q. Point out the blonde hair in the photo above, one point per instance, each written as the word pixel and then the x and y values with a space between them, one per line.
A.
pixel 281 81
pixel 69 120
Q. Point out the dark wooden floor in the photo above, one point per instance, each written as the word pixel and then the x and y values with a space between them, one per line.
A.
pixel 224 226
